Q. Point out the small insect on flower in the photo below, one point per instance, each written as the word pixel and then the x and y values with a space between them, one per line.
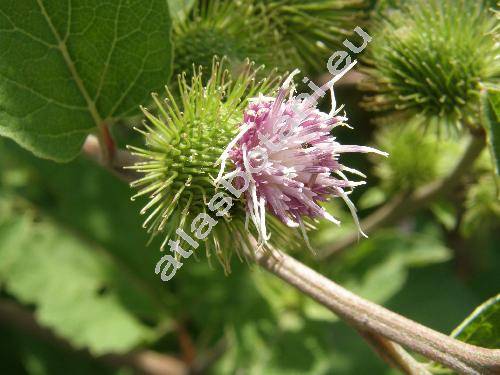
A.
pixel 286 148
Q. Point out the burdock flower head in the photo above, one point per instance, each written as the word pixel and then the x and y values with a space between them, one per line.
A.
pixel 184 138
pixel 291 159
pixel 278 160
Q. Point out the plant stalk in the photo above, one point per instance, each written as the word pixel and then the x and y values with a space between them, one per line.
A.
pixel 394 354
pixel 370 317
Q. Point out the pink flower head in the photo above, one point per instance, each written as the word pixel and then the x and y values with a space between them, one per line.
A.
pixel 287 151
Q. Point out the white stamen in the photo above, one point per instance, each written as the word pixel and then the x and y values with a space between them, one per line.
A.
pixel 306 238
pixel 352 208
pixel 333 110
pixel 330 218
pixel 353 148
pixel 343 176
pixel 290 223
pixel 286 83
pixel 263 220
pixel 247 218
pixel 225 155
pixel 353 171
pixel 246 163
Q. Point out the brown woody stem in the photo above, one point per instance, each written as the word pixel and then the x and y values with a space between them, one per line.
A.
pixel 370 317
pixel 394 354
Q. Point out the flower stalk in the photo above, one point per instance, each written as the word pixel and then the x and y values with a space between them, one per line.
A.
pixel 394 354
pixel 367 316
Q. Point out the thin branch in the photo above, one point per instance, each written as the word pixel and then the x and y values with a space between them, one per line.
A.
pixel 144 362
pixel 108 146
pixel 186 344
pixel 370 317
pixel 404 204
pixel 205 361
pixel 394 354
pixel 92 149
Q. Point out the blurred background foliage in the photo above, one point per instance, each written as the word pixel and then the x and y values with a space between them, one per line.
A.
pixel 76 257
pixel 72 249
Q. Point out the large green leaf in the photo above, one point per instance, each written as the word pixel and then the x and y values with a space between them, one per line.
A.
pixel 482 327
pixel 490 100
pixel 67 66
pixel 73 286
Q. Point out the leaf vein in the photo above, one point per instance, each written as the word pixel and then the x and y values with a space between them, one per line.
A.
pixel 110 53
pixel 44 97
pixel 71 66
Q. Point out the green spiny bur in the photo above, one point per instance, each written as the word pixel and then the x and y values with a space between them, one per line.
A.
pixel 430 57
pixel 183 143
pixel 282 34
pixel 416 158
pixel 314 29
pixel 235 29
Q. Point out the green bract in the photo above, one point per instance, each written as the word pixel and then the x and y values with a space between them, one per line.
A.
pixel 283 34
pixel 314 29
pixel 183 143
pixel 232 29
pixel 430 58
